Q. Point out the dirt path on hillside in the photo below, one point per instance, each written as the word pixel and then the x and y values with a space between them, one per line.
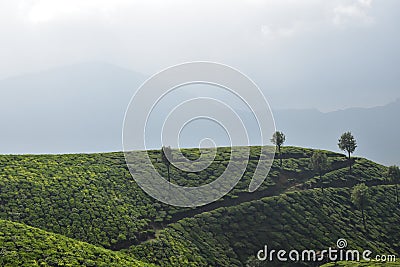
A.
pixel 282 185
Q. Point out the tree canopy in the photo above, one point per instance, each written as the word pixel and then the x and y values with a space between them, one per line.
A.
pixel 348 143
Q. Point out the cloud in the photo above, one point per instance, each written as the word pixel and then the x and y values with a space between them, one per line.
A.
pixel 45 11
pixel 283 32
pixel 366 3
pixel 356 13
pixel 289 44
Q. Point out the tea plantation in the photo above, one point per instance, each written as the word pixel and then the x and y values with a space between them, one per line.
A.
pixel 87 210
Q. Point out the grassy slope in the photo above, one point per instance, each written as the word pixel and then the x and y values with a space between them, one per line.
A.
pixel 91 197
pixel 295 220
pixel 22 245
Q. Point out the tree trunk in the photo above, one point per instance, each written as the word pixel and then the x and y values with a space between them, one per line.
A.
pixel 280 155
pixel 349 159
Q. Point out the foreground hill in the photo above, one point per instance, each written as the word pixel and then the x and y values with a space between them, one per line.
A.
pixel 295 220
pixel 92 198
pixel 22 245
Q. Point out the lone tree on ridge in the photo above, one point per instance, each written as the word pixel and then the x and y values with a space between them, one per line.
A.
pixel 278 138
pixel 348 143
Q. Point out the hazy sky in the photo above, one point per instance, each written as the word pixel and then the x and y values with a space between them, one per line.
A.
pixel 327 54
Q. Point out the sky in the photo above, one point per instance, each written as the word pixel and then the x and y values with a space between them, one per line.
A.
pixel 319 54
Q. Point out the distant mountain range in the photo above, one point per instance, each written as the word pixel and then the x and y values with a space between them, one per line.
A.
pixel 376 129
pixel 80 108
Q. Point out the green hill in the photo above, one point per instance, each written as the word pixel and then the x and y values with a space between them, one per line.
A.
pixel 22 245
pixel 92 198
pixel 294 220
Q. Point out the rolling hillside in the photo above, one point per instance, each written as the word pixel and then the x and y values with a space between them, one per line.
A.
pixel 294 220
pixel 23 245
pixel 91 198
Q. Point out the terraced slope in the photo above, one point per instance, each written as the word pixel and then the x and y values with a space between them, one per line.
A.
pixel 92 198
pixel 22 245
pixel 297 220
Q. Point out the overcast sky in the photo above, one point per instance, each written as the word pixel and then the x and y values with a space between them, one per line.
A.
pixel 325 54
